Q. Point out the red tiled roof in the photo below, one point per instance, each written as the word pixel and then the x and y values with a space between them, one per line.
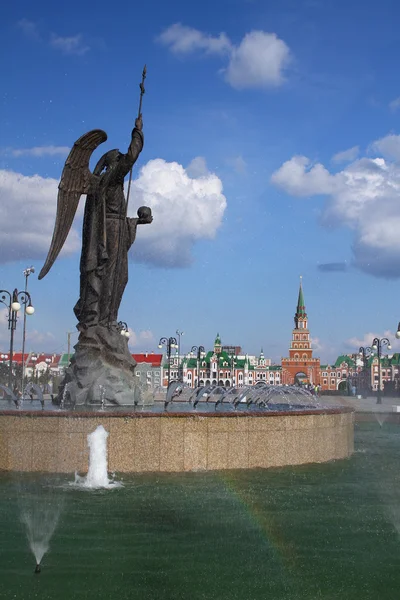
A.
pixel 41 357
pixel 149 357
pixel 17 357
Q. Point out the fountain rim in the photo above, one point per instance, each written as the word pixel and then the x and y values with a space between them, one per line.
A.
pixel 116 413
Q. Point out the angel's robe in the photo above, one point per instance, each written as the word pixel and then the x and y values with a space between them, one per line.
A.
pixel 107 236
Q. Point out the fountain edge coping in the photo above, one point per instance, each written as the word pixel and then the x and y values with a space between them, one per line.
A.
pixel 177 414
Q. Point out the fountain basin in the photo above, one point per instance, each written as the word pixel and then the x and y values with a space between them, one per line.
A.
pixel 56 441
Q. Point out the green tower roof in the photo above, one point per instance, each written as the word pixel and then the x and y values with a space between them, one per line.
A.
pixel 301 307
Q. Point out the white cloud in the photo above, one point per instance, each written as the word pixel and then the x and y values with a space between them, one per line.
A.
pixel 74 44
pixel 32 201
pixel 183 40
pixel 29 28
pixel 389 146
pixel 143 338
pixel 364 196
pixel 257 62
pixel 316 344
pixel 69 45
pixel 366 340
pixel 298 176
pixel 346 155
pixel 185 209
pixel 39 151
pixel 35 340
pixel 197 168
pixel 394 104
pixel 238 164
pixel 39 338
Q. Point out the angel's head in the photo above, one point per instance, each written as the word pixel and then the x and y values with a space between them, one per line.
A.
pixel 107 161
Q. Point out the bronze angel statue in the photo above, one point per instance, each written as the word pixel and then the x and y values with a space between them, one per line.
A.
pixel 107 233
pixel 107 237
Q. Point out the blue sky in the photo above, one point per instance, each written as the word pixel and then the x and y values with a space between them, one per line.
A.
pixel 271 151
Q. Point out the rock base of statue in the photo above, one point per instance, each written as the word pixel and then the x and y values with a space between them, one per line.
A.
pixel 101 371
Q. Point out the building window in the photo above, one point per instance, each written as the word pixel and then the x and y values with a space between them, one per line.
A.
pixel 324 381
pixel 333 374
pixel 296 356
pixel 332 382
pixel 305 356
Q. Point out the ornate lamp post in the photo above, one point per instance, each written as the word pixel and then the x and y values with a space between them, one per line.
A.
pixel 13 304
pixel 179 333
pixel 28 271
pixel 170 343
pixel 233 365
pixel 123 329
pixel 200 350
pixel 365 352
pixel 377 347
pixel 34 360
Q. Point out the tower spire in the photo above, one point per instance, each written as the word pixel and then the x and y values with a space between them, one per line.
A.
pixel 301 307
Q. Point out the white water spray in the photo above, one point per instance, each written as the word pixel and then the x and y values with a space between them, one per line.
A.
pixel 97 476
pixel 41 504
pixel 381 418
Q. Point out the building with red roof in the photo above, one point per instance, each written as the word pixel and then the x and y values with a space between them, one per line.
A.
pixel 148 369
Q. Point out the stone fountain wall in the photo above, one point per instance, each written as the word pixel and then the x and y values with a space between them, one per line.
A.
pixel 175 441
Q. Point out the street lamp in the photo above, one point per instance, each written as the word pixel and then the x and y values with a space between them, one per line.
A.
pixel 170 343
pixel 377 347
pixel 200 350
pixel 28 271
pixel 233 365
pixel 398 331
pixel 34 360
pixel 13 304
pixel 123 329
pixel 365 353
pixel 179 333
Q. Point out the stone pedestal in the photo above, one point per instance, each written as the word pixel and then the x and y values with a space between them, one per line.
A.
pixel 102 370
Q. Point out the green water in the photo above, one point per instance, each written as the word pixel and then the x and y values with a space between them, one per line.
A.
pixel 318 531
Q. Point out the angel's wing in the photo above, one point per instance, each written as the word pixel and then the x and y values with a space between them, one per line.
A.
pixel 76 180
